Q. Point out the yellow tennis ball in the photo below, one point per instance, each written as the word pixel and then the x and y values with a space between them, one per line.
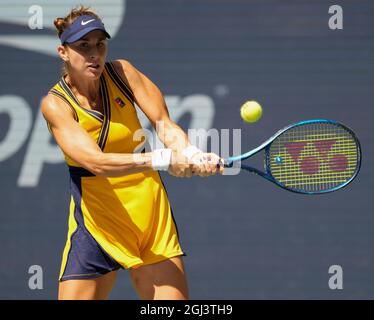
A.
pixel 251 111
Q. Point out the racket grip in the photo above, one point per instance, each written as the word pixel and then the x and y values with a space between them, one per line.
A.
pixel 227 163
pixel 221 163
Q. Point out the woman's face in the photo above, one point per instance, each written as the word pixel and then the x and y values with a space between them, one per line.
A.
pixel 86 56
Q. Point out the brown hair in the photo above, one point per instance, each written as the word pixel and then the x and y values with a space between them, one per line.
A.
pixel 62 24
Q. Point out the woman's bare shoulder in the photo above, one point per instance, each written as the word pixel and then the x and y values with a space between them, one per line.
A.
pixel 52 107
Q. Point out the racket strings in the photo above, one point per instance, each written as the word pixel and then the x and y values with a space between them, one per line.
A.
pixel 314 157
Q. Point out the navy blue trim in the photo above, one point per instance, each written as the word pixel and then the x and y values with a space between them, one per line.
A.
pixel 71 237
pixel 58 94
pixel 118 81
pixel 96 114
pixel 62 83
pixel 80 172
pixel 86 258
pixel 76 191
pixel 107 114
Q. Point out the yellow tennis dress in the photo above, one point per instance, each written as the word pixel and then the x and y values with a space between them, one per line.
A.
pixel 120 222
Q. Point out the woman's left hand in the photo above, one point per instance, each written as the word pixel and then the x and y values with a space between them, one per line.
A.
pixel 207 164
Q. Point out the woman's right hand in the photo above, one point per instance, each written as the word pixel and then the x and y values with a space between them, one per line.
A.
pixel 203 165
pixel 208 164
pixel 180 166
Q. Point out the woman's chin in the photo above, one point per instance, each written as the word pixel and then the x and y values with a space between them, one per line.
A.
pixel 93 74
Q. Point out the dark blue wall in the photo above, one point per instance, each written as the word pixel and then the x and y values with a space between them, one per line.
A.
pixel 245 238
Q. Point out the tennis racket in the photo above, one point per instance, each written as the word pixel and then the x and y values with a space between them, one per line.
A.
pixel 310 157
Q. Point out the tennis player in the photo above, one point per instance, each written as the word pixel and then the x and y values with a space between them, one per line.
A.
pixel 120 215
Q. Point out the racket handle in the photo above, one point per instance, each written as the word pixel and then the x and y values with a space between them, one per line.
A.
pixel 222 163
pixel 227 163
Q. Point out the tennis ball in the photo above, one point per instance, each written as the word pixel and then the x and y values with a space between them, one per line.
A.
pixel 251 111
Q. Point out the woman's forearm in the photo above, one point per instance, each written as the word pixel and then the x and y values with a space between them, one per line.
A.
pixel 120 164
pixel 116 164
pixel 172 136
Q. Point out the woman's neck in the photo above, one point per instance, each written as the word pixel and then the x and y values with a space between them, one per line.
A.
pixel 87 88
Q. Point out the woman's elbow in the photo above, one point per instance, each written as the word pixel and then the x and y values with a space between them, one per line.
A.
pixel 95 165
pixel 97 171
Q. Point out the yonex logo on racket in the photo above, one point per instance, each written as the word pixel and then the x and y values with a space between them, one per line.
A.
pixel 310 157
pixel 319 156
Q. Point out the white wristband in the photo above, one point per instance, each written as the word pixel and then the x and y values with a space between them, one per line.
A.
pixel 161 159
pixel 190 151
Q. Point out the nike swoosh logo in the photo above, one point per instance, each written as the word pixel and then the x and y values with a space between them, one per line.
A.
pixel 83 23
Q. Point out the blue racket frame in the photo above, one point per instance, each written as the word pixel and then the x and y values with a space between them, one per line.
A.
pixel 229 162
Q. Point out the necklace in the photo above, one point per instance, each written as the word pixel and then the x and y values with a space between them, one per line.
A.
pixel 95 102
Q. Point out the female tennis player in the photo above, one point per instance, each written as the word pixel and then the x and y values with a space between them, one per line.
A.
pixel 120 216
